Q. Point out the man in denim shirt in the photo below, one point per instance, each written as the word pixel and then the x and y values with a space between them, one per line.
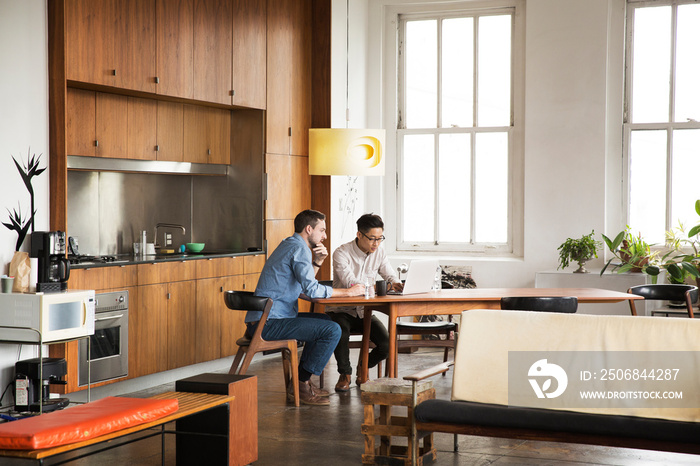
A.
pixel 289 271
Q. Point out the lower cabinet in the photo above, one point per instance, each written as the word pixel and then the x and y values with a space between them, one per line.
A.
pixel 165 333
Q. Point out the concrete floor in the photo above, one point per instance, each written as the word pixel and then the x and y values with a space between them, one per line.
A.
pixel 313 435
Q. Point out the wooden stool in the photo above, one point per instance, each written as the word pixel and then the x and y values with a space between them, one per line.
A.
pixel 386 393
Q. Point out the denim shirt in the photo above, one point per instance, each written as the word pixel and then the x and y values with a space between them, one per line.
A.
pixel 287 273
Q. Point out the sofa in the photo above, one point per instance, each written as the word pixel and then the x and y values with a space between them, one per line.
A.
pixel 506 382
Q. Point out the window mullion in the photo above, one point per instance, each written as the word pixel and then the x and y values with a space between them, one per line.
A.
pixel 436 226
pixel 671 117
pixel 475 68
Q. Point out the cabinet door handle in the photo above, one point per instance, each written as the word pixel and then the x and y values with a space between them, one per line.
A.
pixel 244 286
pixel 233 92
pixel 114 72
pixel 208 151
pixel 290 131
pixel 97 143
pixel 221 289
pixel 157 147
pixel 157 80
pixel 168 295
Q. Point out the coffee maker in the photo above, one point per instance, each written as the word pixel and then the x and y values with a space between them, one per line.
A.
pixel 54 269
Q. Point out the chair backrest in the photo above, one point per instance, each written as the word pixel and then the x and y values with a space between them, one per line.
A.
pixel 567 304
pixel 246 301
pixel 666 292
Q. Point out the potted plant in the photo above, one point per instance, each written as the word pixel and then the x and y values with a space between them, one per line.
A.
pixel 578 250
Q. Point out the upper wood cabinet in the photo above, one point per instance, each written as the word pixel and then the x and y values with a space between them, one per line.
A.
pixel 212 50
pixel 175 48
pixel 142 117
pixel 170 131
pixel 207 135
pixel 249 53
pixel 288 71
pixel 111 42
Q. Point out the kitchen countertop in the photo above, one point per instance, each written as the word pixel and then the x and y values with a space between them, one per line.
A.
pixel 128 259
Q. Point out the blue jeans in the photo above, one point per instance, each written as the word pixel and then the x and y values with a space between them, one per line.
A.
pixel 318 332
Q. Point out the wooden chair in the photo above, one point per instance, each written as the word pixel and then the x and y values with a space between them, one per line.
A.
pixel 687 294
pixel 352 343
pixel 567 304
pixel 246 301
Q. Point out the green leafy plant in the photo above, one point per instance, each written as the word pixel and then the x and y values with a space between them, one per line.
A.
pixel 681 259
pixel 578 250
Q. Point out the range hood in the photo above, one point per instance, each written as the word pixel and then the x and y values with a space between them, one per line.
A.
pixel 79 162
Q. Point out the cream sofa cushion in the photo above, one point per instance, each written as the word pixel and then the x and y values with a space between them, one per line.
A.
pixel 486 337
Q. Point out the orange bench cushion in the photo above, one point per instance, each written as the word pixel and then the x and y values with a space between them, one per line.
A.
pixel 82 422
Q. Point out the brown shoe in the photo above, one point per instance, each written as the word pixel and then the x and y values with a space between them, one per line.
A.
pixel 343 384
pixel 308 397
pixel 319 391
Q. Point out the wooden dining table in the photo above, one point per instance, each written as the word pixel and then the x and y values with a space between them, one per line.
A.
pixel 452 301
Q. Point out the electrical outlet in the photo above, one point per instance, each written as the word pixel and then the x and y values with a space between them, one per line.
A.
pixel 168 239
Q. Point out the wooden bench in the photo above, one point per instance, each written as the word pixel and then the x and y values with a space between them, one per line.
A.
pixel 188 404
pixel 480 389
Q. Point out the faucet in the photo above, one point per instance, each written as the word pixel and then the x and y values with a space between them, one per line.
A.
pixel 165 225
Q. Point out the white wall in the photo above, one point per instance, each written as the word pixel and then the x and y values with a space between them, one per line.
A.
pixel 573 130
pixel 24 109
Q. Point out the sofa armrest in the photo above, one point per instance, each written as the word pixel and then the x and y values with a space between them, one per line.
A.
pixel 429 372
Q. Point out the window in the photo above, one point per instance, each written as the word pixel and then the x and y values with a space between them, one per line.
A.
pixel 455 133
pixel 662 116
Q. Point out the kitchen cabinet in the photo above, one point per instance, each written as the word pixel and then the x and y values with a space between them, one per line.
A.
pixel 110 120
pixel 111 43
pixel 249 53
pixel 207 137
pixel 170 131
pixel 288 71
pixel 142 117
pixel 80 122
pixel 212 50
pixel 175 32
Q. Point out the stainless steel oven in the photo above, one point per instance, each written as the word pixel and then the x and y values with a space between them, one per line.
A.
pixel 109 346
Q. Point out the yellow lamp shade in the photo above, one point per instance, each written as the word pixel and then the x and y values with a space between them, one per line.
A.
pixel 353 152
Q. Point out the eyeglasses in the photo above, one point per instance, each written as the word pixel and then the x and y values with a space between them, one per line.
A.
pixel 374 240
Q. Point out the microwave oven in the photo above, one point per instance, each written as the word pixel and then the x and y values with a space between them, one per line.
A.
pixel 47 317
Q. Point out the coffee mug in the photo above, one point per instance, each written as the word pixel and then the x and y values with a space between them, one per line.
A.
pixel 381 287
pixel 7 283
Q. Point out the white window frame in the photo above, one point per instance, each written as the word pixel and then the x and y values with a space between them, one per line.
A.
pixel 394 15
pixel 669 126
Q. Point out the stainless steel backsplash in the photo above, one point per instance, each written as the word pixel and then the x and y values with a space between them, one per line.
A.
pixel 108 210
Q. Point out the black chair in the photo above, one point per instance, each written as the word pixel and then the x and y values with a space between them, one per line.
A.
pixel 567 304
pixel 447 329
pixel 248 346
pixel 352 344
pixel 686 294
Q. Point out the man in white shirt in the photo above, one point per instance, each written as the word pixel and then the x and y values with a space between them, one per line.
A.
pixel 351 263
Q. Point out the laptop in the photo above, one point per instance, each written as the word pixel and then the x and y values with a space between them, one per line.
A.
pixel 420 278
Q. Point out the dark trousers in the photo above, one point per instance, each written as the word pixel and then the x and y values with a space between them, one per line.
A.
pixel 378 335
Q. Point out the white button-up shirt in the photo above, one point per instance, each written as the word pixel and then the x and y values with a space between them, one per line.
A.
pixel 351 264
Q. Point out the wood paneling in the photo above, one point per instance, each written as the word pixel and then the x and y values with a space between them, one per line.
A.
pixel 91 29
pixel 212 50
pixel 249 53
pixel 170 131
pixel 253 264
pixel 148 331
pixel 142 118
pixel 276 231
pixel 279 67
pixel 181 309
pixel 210 303
pixel 80 123
pixel 57 115
pixel 110 121
pixel 300 107
pixel 136 44
pixel 289 190
pixel 219 267
pixel 175 32
pixel 207 135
